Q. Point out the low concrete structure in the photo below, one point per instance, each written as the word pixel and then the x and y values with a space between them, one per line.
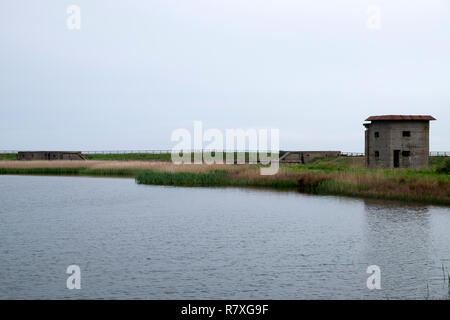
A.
pixel 303 157
pixel 50 155
pixel 397 141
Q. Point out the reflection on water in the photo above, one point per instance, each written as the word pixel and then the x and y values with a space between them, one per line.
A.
pixel 155 242
pixel 398 240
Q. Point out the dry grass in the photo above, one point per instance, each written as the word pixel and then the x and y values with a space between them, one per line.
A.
pixel 240 170
pixel 108 164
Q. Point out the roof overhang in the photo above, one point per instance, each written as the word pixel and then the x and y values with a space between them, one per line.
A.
pixel 401 118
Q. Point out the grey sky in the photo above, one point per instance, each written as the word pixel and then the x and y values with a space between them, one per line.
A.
pixel 137 70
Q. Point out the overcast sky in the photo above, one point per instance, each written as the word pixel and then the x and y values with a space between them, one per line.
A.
pixel 137 70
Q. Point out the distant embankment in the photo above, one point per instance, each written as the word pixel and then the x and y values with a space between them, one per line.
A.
pixel 156 155
pixel 165 155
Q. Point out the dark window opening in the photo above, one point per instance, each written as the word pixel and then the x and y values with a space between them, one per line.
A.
pixel 406 153
pixel 377 134
pixel 407 133
pixel 377 154
pixel 396 158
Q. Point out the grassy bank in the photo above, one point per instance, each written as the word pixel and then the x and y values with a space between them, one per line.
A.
pixel 154 156
pixel 129 156
pixel 8 156
pixel 345 176
pixel 404 185
pixel 332 176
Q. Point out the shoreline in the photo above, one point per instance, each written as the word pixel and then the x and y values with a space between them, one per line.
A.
pixel 321 178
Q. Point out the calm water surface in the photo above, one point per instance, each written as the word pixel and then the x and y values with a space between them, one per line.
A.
pixel 155 242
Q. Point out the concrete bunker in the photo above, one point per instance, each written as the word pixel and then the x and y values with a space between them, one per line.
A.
pixel 397 141
pixel 50 155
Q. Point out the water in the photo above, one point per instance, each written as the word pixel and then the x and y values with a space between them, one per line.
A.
pixel 154 242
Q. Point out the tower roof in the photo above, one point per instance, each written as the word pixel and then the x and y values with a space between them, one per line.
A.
pixel 401 118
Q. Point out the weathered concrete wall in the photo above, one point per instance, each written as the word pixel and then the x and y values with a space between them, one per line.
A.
pixel 367 148
pixel 390 138
pixel 306 156
pixel 50 155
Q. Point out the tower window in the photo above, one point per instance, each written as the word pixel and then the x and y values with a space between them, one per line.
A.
pixel 377 134
pixel 377 154
pixel 407 133
pixel 406 153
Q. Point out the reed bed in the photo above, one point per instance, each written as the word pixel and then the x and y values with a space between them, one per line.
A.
pixel 343 177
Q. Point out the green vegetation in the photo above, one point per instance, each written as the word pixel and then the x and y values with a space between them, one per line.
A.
pixel 211 178
pixel 8 156
pixel 444 167
pixel 437 161
pixel 438 165
pixel 152 156
pixel 129 156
